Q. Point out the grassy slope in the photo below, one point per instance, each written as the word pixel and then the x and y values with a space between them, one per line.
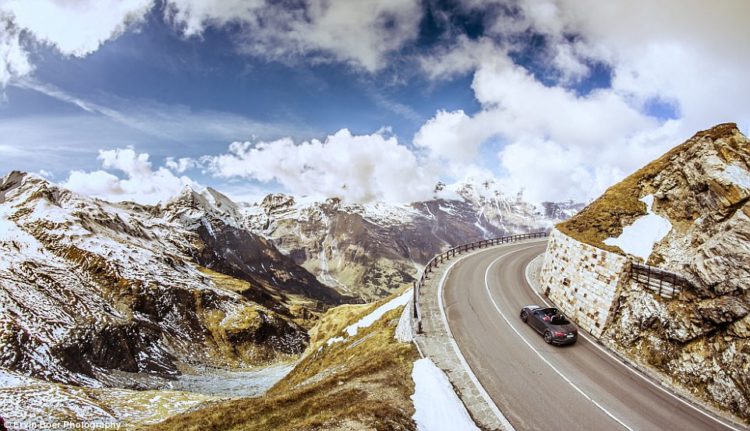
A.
pixel 59 403
pixel 619 205
pixel 361 383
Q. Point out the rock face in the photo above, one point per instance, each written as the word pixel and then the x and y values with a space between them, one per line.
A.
pixel 701 338
pixel 372 250
pixel 93 292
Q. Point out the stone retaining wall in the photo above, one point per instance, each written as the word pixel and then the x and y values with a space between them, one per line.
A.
pixel 582 280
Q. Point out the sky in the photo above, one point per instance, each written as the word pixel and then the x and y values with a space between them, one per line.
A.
pixel 367 100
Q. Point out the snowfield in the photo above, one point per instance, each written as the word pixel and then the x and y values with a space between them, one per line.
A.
pixel 437 405
pixel 373 317
pixel 640 238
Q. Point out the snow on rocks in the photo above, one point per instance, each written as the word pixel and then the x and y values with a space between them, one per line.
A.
pixel 403 329
pixel 737 175
pixel 436 405
pixel 10 379
pixel 373 317
pixel 378 313
pixel 640 238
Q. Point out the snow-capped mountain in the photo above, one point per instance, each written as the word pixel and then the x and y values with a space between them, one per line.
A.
pixel 371 250
pixel 94 293
pixel 100 294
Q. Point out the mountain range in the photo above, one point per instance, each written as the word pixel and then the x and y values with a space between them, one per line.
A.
pixel 106 294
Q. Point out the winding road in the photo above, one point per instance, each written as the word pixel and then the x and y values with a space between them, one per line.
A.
pixel 541 387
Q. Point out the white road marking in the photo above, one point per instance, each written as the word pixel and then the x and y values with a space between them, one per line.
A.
pixel 499 414
pixel 559 373
pixel 631 369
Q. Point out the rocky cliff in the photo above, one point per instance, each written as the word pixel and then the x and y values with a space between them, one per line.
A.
pixel 95 293
pixel 372 250
pixel 701 190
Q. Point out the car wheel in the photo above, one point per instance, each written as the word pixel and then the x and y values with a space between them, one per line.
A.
pixel 548 337
pixel 524 316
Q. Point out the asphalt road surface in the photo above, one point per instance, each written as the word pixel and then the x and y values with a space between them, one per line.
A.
pixel 542 387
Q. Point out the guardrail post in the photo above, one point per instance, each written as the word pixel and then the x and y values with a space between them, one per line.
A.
pixel 414 305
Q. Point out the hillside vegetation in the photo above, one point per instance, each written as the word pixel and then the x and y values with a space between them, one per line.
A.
pixel 363 382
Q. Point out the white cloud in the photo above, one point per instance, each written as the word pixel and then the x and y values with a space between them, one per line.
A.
pixel 462 57
pixel 142 184
pixel 75 27
pixel 453 136
pixel 692 56
pixel 361 33
pixel 561 170
pixel 557 144
pixel 523 106
pixel 14 60
pixel 180 165
pixel 357 168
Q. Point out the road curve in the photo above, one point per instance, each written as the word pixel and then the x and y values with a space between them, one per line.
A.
pixel 538 386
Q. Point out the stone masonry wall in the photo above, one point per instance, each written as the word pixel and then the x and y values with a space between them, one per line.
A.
pixel 582 280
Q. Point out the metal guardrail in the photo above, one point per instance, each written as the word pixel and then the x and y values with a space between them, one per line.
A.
pixel 666 284
pixel 448 254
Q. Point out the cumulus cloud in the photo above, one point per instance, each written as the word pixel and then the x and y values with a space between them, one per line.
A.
pixel 690 58
pixel 180 165
pixel 14 60
pixel 461 57
pixel 453 136
pixel 357 168
pixel 361 33
pixel 690 52
pixel 141 184
pixel 76 27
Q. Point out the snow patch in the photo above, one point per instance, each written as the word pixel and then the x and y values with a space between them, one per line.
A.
pixel 10 379
pixel 640 238
pixel 403 329
pixel 334 340
pixel 737 175
pixel 208 227
pixel 373 317
pixel 436 405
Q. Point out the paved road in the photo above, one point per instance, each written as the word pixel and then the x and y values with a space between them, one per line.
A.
pixel 538 386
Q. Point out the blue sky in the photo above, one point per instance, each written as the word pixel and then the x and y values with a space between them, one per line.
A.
pixel 135 99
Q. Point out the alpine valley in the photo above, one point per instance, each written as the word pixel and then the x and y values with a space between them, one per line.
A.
pixel 103 305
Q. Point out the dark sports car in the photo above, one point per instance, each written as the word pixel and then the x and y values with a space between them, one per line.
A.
pixel 551 323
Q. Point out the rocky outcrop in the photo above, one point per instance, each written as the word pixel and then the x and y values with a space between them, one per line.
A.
pixel 227 247
pixel 699 339
pixel 91 292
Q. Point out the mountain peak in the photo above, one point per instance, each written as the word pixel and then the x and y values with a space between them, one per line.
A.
pixel 11 181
